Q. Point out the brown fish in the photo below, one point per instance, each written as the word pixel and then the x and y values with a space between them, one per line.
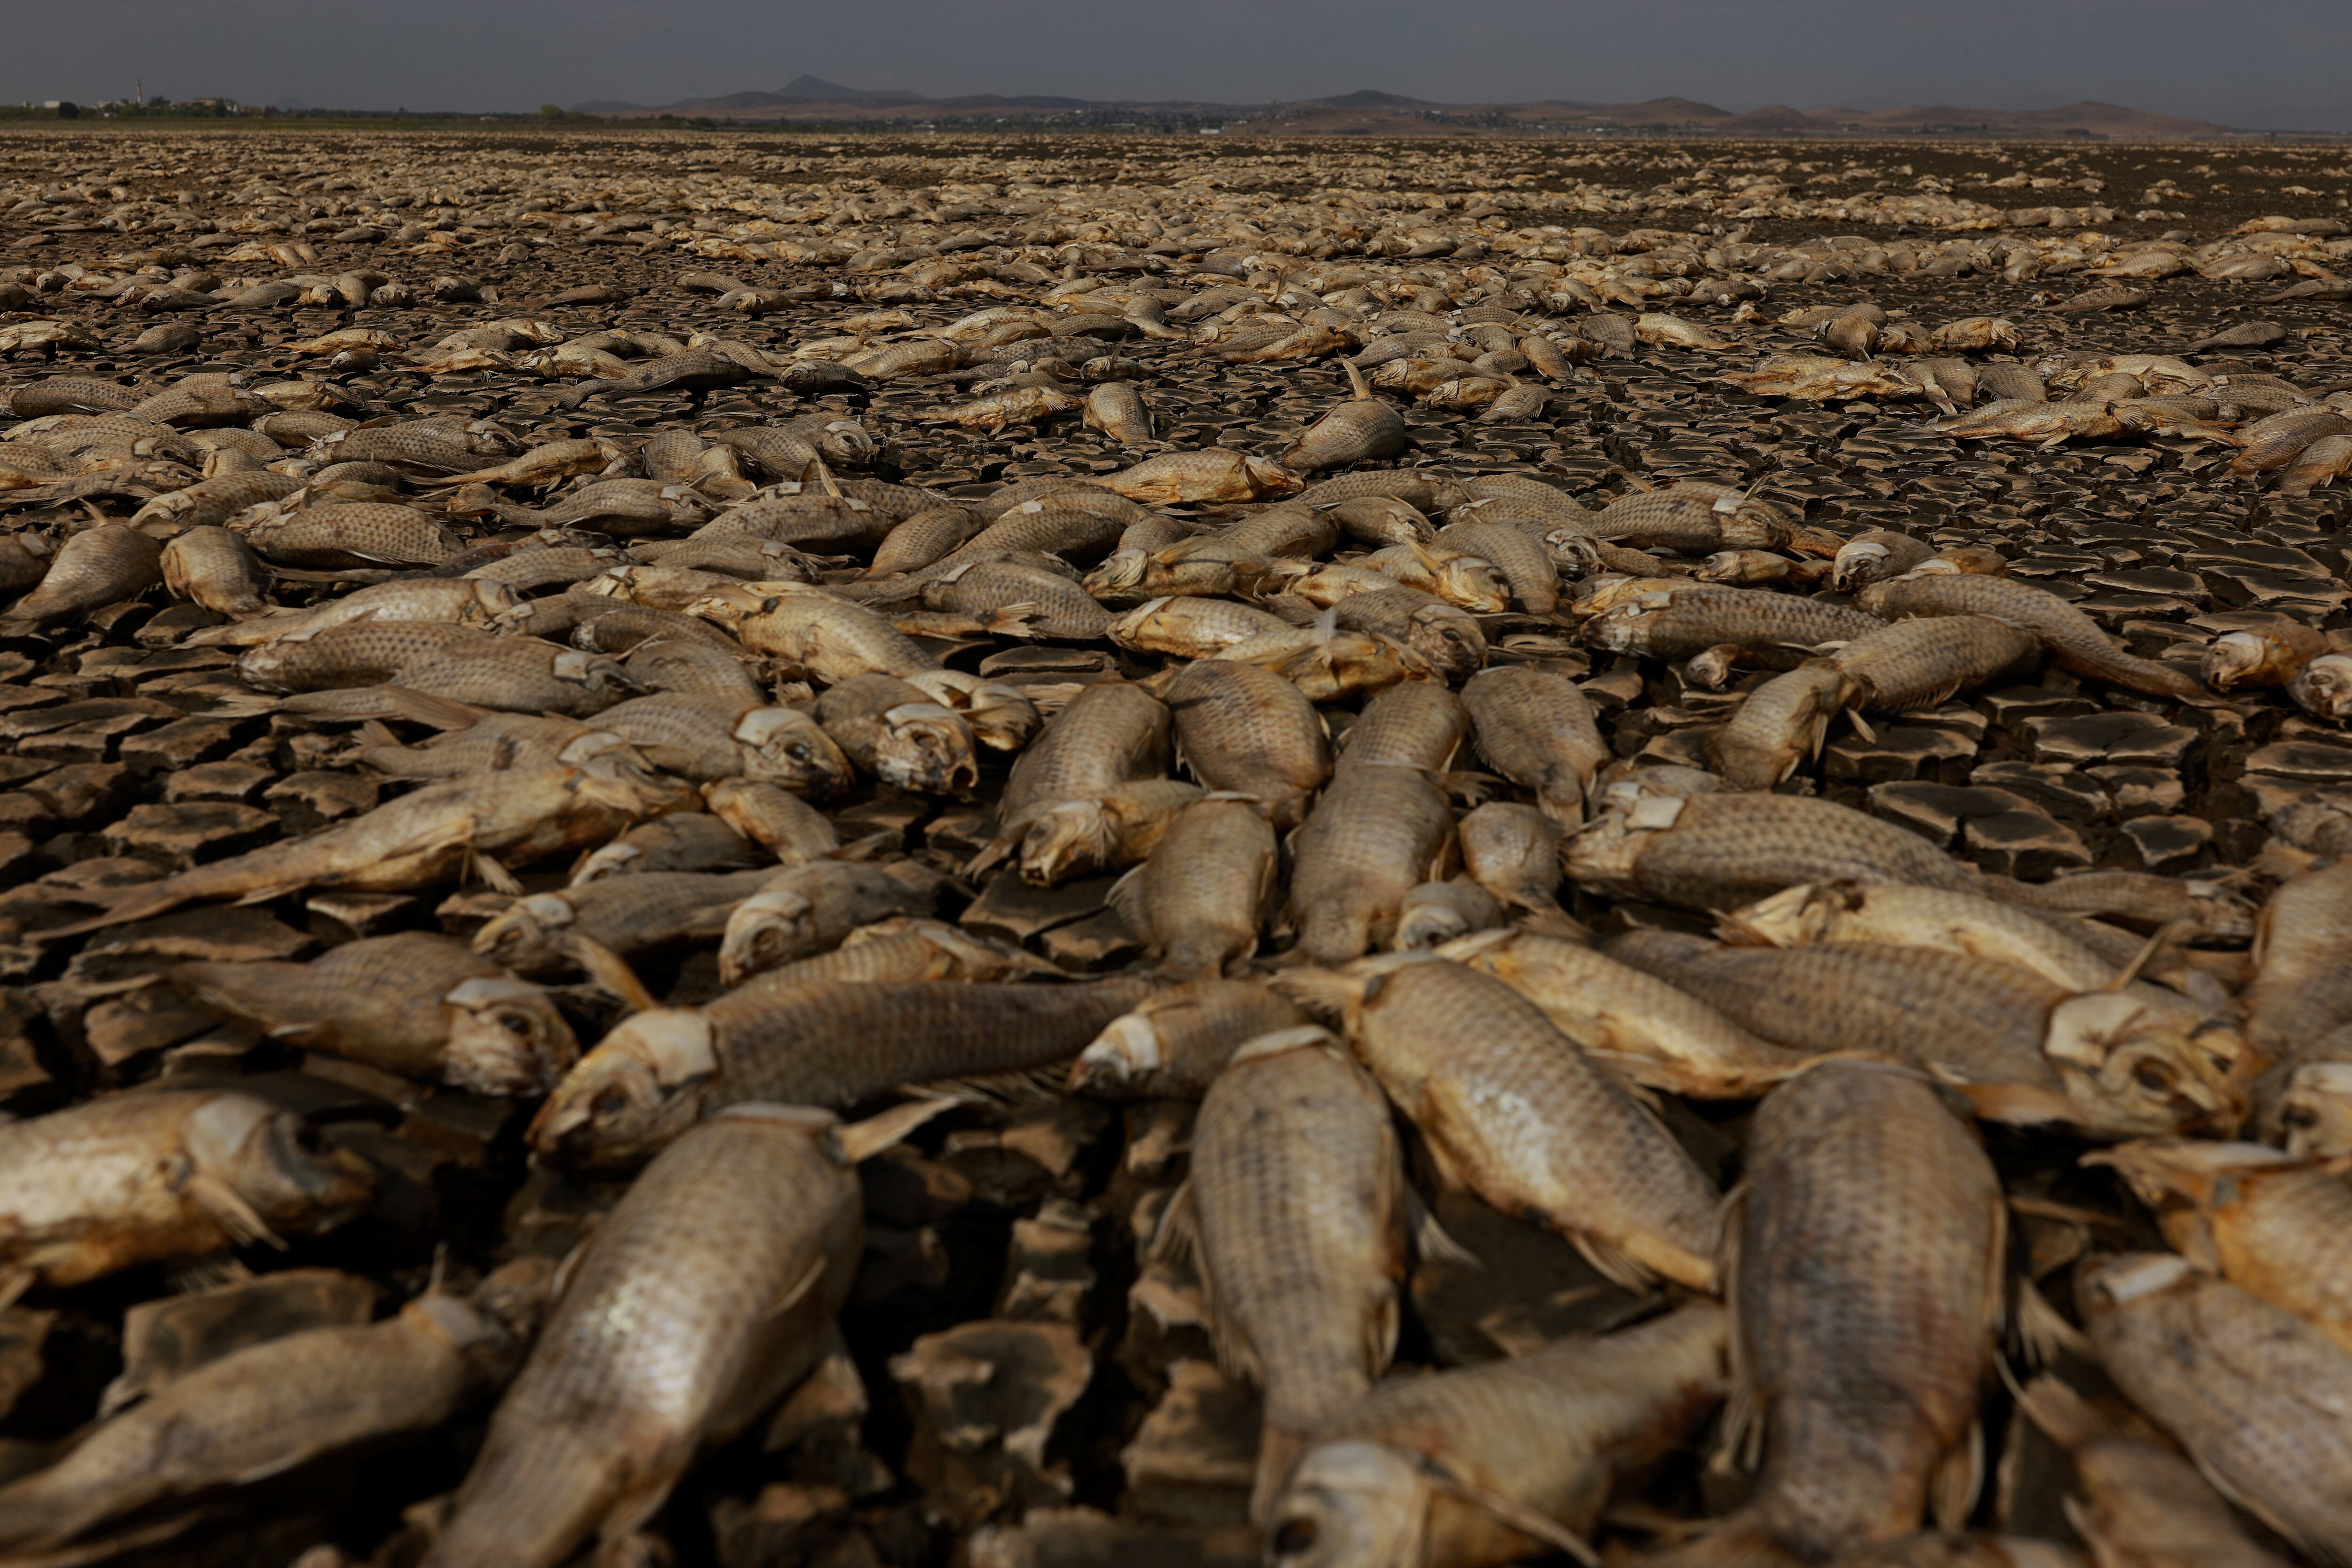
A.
pixel 1297 1197
pixel 415 1003
pixel 702 1296
pixel 1864 1267
pixel 148 1175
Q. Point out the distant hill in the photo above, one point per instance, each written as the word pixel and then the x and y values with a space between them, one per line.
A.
pixel 1373 112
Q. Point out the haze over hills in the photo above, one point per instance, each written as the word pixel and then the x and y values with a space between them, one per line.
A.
pixel 1372 113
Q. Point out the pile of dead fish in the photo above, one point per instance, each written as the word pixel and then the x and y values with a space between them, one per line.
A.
pixel 1203 862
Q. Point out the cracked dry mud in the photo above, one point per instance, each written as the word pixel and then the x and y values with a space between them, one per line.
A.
pixel 1028 852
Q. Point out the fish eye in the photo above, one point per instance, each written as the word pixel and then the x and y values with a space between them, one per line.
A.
pixel 2154 1076
pixel 515 1024
pixel 798 752
pixel 610 1101
pixel 1297 1535
pixel 2301 1118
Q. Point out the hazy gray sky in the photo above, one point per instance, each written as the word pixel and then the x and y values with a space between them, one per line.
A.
pixel 2284 63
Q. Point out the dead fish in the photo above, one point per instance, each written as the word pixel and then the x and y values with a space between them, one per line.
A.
pixel 1113 732
pixel 1360 430
pixel 1514 1110
pixel 353 534
pixel 1720 851
pixel 772 817
pixel 1820 379
pixel 2253 1393
pixel 817 1042
pixel 1864 1256
pixel 1944 918
pixel 705 739
pixel 210 566
pixel 682 841
pixel 266 1409
pixel 1176 1040
pixel 1107 832
pixel 413 1004
pixel 2073 638
pixel 831 638
pixel 1438 912
pixel 2323 462
pixel 139 1177
pixel 705 1293
pixel 472 603
pixel 1119 411
pixel 215 500
pixel 94 568
pixel 1296 1199
pixel 809 908
pixel 894 733
pixel 1779 726
pixel 1874 556
pixel 1678 622
pixel 1201 895
pixel 1513 852
pixel 422 838
pixel 2267 1221
pixel 546 934
pixel 1217 474
pixel 2323 688
pixel 1637 1025
pixel 699 372
pixel 2018 1048
pixel 1375 835
pixel 2277 441
pixel 1491 1464
pixel 2140 1501
pixel 1924 663
pixel 1242 730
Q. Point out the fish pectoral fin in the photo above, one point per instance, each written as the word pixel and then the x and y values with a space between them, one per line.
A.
pixel 2041 1331
pixel 1430 1243
pixel 493 876
pixel 1176 1237
pixel 1613 1264
pixel 229 1210
pixel 792 1293
pixel 2016 1104
pixel 863 1140
pixel 1952 1493
pixel 609 969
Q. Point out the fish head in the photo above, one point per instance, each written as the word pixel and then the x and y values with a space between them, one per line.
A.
pixel 641 1087
pixel 791 748
pixel 506 1036
pixel 1067 838
pixel 275 1162
pixel 1267 479
pixel 1001 717
pixel 1858 564
pixel 2234 657
pixel 1350 1505
pixel 1794 917
pixel 1122 569
pixel 1472 582
pixel 602 680
pixel 1121 1059
pixel 2306 1108
pixel 2324 687
pixel 926 748
pixel 1428 923
pixel 1711 668
pixel 527 933
pixel 846 442
pixel 772 927
pixel 2135 1072
pixel 491 599
pixel 1448 638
